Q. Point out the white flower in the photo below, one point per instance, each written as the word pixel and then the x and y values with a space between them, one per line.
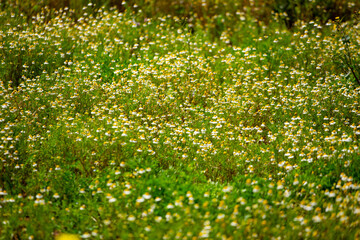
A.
pixel 85 235
pixel 146 196
pixel 127 191
pixel 227 189
pixel 287 193
pixel 316 219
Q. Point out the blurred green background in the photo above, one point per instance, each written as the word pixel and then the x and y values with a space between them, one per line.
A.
pixel 205 11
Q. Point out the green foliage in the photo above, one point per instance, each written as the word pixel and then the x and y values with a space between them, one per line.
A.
pixel 209 119
pixel 346 56
pixel 321 10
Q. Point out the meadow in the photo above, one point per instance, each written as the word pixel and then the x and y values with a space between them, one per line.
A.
pixel 117 125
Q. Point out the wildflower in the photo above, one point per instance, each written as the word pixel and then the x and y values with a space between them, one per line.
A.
pixel 86 235
pixel 329 208
pixel 146 195
pixel 227 189
pixel 316 218
pixel 296 182
pixel 234 223
pixel 287 193
pixel 256 189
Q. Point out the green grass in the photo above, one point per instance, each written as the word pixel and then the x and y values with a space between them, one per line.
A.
pixel 114 125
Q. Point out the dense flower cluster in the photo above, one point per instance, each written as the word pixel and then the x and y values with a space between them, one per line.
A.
pixel 114 125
